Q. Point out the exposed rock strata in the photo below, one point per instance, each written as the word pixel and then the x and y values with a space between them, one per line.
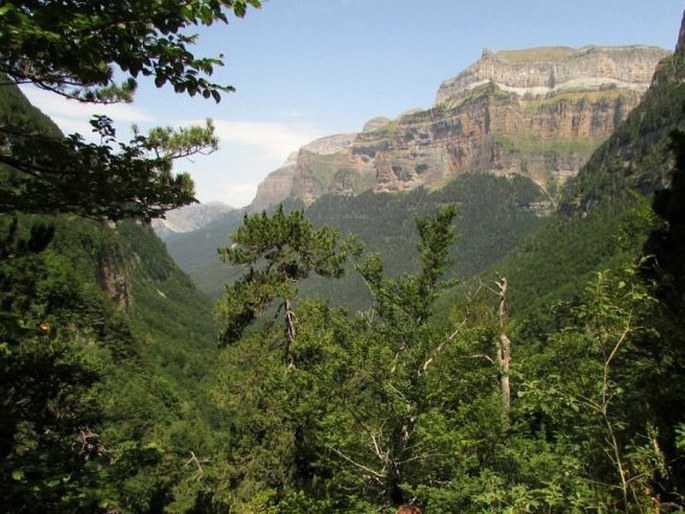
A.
pixel 541 71
pixel 276 187
pixel 538 112
pixel 114 280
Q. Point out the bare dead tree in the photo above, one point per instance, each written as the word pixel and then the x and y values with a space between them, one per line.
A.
pixel 289 333
pixel 198 466
pixel 503 356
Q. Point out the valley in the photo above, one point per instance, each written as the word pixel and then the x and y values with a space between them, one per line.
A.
pixel 475 307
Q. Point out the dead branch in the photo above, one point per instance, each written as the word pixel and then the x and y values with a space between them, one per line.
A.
pixel 503 356
pixel 198 466
pixel 289 317
pixel 479 356
pixel 377 475
pixel 439 348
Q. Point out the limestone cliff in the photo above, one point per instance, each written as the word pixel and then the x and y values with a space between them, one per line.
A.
pixel 114 279
pixel 539 112
pixel 275 188
pixel 317 168
pixel 544 70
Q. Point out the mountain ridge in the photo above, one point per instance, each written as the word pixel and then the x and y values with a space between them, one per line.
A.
pixel 540 71
pixel 189 217
pixel 508 113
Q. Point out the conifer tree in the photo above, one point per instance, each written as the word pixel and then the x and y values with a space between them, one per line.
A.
pixel 72 49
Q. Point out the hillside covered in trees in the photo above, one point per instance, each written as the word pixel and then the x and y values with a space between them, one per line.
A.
pixel 550 381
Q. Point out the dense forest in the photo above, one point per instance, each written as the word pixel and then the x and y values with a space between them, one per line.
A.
pixel 538 369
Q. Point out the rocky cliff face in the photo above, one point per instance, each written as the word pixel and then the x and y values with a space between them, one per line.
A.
pixel 114 279
pixel 538 112
pixel 276 187
pixel 548 70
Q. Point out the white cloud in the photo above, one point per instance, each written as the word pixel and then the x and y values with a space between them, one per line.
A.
pixel 236 194
pixel 241 194
pixel 249 149
pixel 72 125
pixel 275 139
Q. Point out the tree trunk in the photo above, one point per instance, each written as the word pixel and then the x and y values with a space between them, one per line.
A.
pixel 289 334
pixel 504 353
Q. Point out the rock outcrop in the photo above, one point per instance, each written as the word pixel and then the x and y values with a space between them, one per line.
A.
pixel 316 169
pixel 113 277
pixel 276 187
pixel 538 112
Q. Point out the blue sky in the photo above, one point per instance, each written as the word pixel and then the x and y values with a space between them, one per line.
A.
pixel 309 68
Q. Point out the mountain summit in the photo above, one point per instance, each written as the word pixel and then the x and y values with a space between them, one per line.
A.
pixel 544 71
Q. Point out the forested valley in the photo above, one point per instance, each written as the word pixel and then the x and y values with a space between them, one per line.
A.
pixel 548 380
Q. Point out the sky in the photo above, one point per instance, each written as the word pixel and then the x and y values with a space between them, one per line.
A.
pixel 305 69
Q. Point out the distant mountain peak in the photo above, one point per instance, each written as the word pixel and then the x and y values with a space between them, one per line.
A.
pixel 189 218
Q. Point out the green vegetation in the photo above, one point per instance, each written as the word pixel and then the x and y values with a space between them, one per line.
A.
pixel 550 389
pixel 73 50
pixel 528 145
pixel 636 157
pixel 494 215
pixel 391 407
pixel 101 405
pixel 550 381
pixel 106 349
pixel 281 250
pixel 537 54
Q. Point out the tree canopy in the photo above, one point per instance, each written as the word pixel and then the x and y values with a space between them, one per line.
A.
pixel 74 47
pixel 78 50
pixel 280 249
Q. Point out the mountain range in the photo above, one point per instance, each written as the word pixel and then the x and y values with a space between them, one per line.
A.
pixel 190 217
pixel 535 114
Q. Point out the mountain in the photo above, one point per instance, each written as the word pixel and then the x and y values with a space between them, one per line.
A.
pixel 494 214
pixel 550 389
pixel 485 119
pixel 284 182
pixel 637 155
pixel 195 252
pixel 115 398
pixel 601 213
pixel 539 112
pixel 189 218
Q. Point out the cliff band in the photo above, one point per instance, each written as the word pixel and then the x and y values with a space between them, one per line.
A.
pixel 539 112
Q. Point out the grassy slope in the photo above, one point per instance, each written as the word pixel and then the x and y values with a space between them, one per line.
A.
pixel 540 53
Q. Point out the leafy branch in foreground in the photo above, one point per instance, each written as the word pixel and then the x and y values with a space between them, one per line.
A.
pixel 44 174
pixel 73 48
pixel 76 50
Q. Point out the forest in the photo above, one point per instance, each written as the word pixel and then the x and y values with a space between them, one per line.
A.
pixel 550 380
